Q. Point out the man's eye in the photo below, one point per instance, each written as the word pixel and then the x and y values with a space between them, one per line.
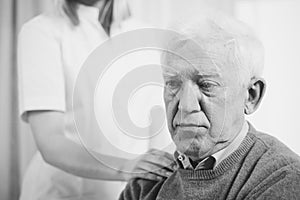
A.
pixel 172 84
pixel 207 85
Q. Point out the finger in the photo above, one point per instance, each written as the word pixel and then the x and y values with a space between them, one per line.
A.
pixel 153 167
pixel 159 172
pixel 147 167
pixel 159 156
pixel 163 172
pixel 163 158
pixel 161 153
pixel 149 176
pixel 157 162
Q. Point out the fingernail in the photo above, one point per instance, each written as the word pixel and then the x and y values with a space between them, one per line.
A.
pixel 169 173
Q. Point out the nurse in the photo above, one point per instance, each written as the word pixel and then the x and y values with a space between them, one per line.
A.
pixel 51 49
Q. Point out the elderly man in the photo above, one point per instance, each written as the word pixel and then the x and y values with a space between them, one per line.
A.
pixel 212 74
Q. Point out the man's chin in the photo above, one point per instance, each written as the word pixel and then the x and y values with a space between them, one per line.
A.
pixel 194 151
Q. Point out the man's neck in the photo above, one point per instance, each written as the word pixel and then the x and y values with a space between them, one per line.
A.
pixel 220 155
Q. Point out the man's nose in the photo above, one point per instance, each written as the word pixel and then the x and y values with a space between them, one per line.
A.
pixel 189 98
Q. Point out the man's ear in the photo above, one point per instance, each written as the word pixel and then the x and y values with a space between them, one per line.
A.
pixel 255 93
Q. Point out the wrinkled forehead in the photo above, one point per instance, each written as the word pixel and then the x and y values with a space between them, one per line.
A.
pixel 185 56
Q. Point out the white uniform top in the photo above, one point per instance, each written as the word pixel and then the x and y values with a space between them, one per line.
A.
pixel 50 54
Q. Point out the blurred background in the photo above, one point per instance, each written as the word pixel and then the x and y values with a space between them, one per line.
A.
pixel 276 22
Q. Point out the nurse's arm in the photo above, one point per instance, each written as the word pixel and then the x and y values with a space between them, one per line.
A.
pixel 61 152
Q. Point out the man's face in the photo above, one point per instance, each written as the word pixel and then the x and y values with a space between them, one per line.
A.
pixel 204 99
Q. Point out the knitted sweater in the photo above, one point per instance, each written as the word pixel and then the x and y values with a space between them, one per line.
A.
pixel 261 168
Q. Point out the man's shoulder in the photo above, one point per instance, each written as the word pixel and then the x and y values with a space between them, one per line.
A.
pixel 273 165
pixel 274 150
pixel 268 167
pixel 139 188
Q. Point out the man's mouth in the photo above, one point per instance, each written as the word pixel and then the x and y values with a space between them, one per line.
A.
pixel 194 128
pixel 187 125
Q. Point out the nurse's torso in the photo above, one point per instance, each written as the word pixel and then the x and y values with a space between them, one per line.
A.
pixel 41 180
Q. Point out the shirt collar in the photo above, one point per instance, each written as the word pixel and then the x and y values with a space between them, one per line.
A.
pixel 184 162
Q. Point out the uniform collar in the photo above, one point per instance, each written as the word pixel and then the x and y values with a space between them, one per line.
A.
pixel 89 12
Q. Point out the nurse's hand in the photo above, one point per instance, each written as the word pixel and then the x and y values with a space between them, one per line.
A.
pixel 153 165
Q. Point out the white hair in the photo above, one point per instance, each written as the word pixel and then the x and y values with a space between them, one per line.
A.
pixel 223 39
